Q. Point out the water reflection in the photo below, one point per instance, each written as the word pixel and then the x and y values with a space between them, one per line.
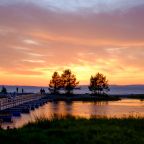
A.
pixel 121 108
pixel 98 108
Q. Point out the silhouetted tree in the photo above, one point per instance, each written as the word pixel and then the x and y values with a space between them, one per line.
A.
pixel 55 83
pixel 99 84
pixel 4 90
pixel 69 81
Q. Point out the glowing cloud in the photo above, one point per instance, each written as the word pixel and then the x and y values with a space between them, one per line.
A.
pixel 40 37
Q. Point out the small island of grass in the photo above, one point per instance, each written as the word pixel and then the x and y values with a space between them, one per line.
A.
pixel 68 82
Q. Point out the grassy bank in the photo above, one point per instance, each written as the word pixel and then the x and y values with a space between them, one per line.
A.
pixel 77 131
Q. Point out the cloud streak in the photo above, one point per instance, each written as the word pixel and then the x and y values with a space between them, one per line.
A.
pixel 39 37
pixel 75 5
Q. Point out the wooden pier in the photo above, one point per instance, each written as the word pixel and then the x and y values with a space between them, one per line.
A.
pixel 6 103
pixel 20 104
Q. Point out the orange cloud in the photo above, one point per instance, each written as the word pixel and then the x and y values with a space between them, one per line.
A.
pixel 38 42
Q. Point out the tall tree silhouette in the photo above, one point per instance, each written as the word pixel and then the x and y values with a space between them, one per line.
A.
pixel 69 81
pixel 55 83
pixel 99 84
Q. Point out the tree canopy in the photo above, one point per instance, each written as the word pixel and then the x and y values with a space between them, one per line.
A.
pixel 55 83
pixel 4 90
pixel 99 84
pixel 69 81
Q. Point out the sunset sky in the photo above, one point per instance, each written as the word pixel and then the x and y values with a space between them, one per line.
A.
pixel 38 37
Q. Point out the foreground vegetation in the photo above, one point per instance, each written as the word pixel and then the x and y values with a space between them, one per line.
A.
pixel 77 131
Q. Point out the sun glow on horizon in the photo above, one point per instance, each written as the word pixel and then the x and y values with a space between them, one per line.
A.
pixel 83 74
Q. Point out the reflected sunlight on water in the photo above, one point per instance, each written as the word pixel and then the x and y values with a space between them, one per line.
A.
pixel 122 108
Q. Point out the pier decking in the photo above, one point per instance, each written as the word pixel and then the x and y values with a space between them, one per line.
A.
pixel 6 103
pixel 10 107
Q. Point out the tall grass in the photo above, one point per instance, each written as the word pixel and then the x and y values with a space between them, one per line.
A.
pixel 74 130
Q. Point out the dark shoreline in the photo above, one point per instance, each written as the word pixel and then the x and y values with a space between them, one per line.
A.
pixel 91 98
pixel 81 97
pixel 86 97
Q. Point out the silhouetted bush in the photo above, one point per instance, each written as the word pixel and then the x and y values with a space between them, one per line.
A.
pixel 4 90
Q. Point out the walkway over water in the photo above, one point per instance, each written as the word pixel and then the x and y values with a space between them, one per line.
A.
pixel 6 103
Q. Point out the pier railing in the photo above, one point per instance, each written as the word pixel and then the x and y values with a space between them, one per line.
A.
pixel 12 102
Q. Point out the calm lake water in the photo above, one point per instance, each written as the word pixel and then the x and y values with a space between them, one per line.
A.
pixel 122 108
